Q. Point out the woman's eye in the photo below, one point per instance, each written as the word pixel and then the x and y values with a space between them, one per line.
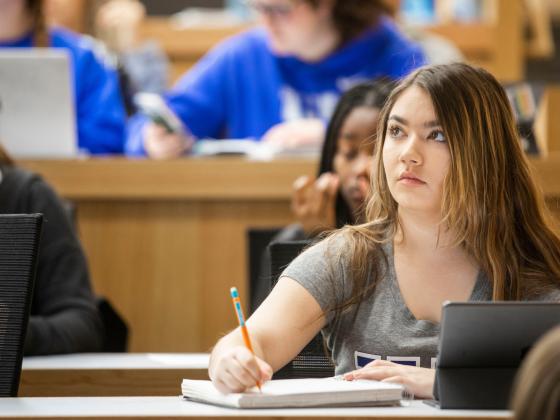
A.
pixel 395 131
pixel 437 135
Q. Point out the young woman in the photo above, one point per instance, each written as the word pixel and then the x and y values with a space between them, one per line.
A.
pixel 64 317
pixel 281 81
pixel 99 108
pixel 454 215
pixel 536 392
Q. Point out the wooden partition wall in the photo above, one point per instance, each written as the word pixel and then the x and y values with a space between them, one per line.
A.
pixel 166 240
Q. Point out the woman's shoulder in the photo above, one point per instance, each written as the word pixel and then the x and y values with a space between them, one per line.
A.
pixel 249 38
pixel 327 269
pixel 17 185
pixel 395 42
pixel 342 246
pixel 65 38
pixel 23 191
pixel 249 44
pixel 388 29
pixel 380 50
pixel 321 254
pixel 16 178
pixel 83 48
pixel 321 268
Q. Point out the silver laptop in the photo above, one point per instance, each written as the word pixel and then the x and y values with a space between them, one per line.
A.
pixel 37 116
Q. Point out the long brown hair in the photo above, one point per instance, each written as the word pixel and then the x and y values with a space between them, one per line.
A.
pixel 536 392
pixel 40 32
pixel 352 17
pixel 490 199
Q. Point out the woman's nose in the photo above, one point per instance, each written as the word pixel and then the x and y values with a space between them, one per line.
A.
pixel 410 153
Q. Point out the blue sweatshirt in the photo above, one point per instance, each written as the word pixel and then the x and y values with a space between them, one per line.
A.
pixel 240 89
pixel 101 118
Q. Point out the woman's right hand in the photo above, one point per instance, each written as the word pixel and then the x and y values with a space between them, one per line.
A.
pixel 314 201
pixel 161 144
pixel 237 370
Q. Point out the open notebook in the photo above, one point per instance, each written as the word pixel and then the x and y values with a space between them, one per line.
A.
pixel 283 393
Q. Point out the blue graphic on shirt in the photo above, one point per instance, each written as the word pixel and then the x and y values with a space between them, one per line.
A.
pixel 361 359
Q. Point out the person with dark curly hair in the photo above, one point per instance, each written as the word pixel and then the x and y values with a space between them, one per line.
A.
pixel 280 81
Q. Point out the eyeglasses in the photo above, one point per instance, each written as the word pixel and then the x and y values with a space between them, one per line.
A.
pixel 271 10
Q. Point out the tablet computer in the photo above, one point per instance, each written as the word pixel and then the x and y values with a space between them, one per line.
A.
pixel 37 116
pixel 481 347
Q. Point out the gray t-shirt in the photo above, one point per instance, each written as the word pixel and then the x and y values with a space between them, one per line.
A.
pixel 384 327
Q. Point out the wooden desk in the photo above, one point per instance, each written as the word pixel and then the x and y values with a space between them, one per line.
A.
pixel 175 407
pixel 106 374
pixel 166 240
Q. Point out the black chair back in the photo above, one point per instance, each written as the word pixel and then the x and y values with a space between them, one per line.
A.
pixel 19 245
pixel 259 276
pixel 312 361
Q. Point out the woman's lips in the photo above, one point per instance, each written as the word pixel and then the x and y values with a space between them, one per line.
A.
pixel 411 181
pixel 408 178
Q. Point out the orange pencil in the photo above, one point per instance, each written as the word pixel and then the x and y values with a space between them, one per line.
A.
pixel 241 319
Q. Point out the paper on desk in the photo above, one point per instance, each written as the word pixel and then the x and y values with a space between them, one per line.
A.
pixel 310 392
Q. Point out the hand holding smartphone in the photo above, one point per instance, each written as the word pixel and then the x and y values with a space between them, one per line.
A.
pixel 154 107
pixel 166 137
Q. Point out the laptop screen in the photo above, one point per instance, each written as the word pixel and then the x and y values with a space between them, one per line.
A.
pixel 37 116
pixel 492 334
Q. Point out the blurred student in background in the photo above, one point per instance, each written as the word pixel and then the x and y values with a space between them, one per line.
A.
pixel 338 195
pixel 281 81
pixel 99 108
pixel 64 317
pixel 536 394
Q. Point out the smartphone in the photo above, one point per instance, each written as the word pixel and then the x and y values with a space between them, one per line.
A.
pixel 154 107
